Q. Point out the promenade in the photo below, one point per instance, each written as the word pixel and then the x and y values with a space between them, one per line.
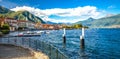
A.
pixel 15 52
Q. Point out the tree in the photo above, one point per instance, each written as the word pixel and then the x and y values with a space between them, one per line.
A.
pixel 5 29
pixel 77 26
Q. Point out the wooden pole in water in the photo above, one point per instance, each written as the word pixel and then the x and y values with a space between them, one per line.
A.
pixel 82 42
pixel 64 38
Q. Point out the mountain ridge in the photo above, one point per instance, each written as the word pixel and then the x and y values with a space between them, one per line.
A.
pixel 104 22
pixel 86 22
pixel 19 15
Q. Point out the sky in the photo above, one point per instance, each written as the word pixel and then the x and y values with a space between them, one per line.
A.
pixel 67 11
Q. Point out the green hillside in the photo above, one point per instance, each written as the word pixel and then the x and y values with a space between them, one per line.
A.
pixel 3 10
pixel 20 15
pixel 86 22
pixel 105 22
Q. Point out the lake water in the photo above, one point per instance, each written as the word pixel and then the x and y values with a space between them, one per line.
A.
pixel 99 43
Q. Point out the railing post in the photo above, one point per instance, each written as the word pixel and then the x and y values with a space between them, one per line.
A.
pixel 22 41
pixel 56 54
pixel 40 45
pixel 15 41
pixel 29 43
pixel 50 51
pixel 0 40
pixel 43 46
pixel 36 44
pixel 8 40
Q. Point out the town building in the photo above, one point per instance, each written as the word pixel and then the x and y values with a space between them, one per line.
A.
pixel 12 23
pixel 15 24
pixel 25 24
pixel 1 22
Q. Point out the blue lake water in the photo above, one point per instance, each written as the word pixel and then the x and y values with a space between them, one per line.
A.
pixel 99 43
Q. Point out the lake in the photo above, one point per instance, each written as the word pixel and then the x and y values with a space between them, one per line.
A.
pixel 99 43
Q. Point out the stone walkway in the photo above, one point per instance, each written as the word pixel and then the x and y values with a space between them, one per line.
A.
pixel 14 52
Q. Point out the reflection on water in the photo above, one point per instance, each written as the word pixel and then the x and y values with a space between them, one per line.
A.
pixel 99 43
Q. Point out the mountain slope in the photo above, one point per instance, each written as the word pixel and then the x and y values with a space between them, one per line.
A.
pixel 111 21
pixel 106 21
pixel 86 22
pixel 4 10
pixel 49 22
pixel 20 15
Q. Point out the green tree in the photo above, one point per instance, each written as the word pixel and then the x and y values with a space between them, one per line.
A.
pixel 77 26
pixel 5 29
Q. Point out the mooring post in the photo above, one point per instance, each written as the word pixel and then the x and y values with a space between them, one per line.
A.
pixel 64 38
pixel 83 30
pixel 82 42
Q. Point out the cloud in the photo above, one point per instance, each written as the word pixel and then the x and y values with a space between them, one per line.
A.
pixel 63 20
pixel 78 11
pixel 81 12
pixel 32 10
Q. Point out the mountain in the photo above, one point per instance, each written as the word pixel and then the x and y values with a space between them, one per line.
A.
pixel 86 22
pixel 108 15
pixel 3 10
pixel 22 15
pixel 19 15
pixel 105 22
pixel 49 22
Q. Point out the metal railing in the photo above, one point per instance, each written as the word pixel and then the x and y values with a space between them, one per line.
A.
pixel 34 44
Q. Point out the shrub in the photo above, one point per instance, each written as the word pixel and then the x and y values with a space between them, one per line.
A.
pixel 1 34
pixel 5 31
pixel 5 26
pixel 20 28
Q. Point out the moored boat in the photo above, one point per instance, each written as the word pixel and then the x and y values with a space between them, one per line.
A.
pixel 30 33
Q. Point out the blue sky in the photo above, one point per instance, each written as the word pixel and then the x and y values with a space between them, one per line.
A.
pixel 65 10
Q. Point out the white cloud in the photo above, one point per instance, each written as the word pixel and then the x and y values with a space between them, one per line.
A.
pixel 32 10
pixel 90 11
pixel 63 20
pixel 86 11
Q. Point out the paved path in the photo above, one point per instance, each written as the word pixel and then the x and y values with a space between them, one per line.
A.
pixel 13 52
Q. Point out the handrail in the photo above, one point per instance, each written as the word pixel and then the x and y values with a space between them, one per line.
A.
pixel 35 44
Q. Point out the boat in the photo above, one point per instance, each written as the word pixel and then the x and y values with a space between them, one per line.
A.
pixel 30 33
